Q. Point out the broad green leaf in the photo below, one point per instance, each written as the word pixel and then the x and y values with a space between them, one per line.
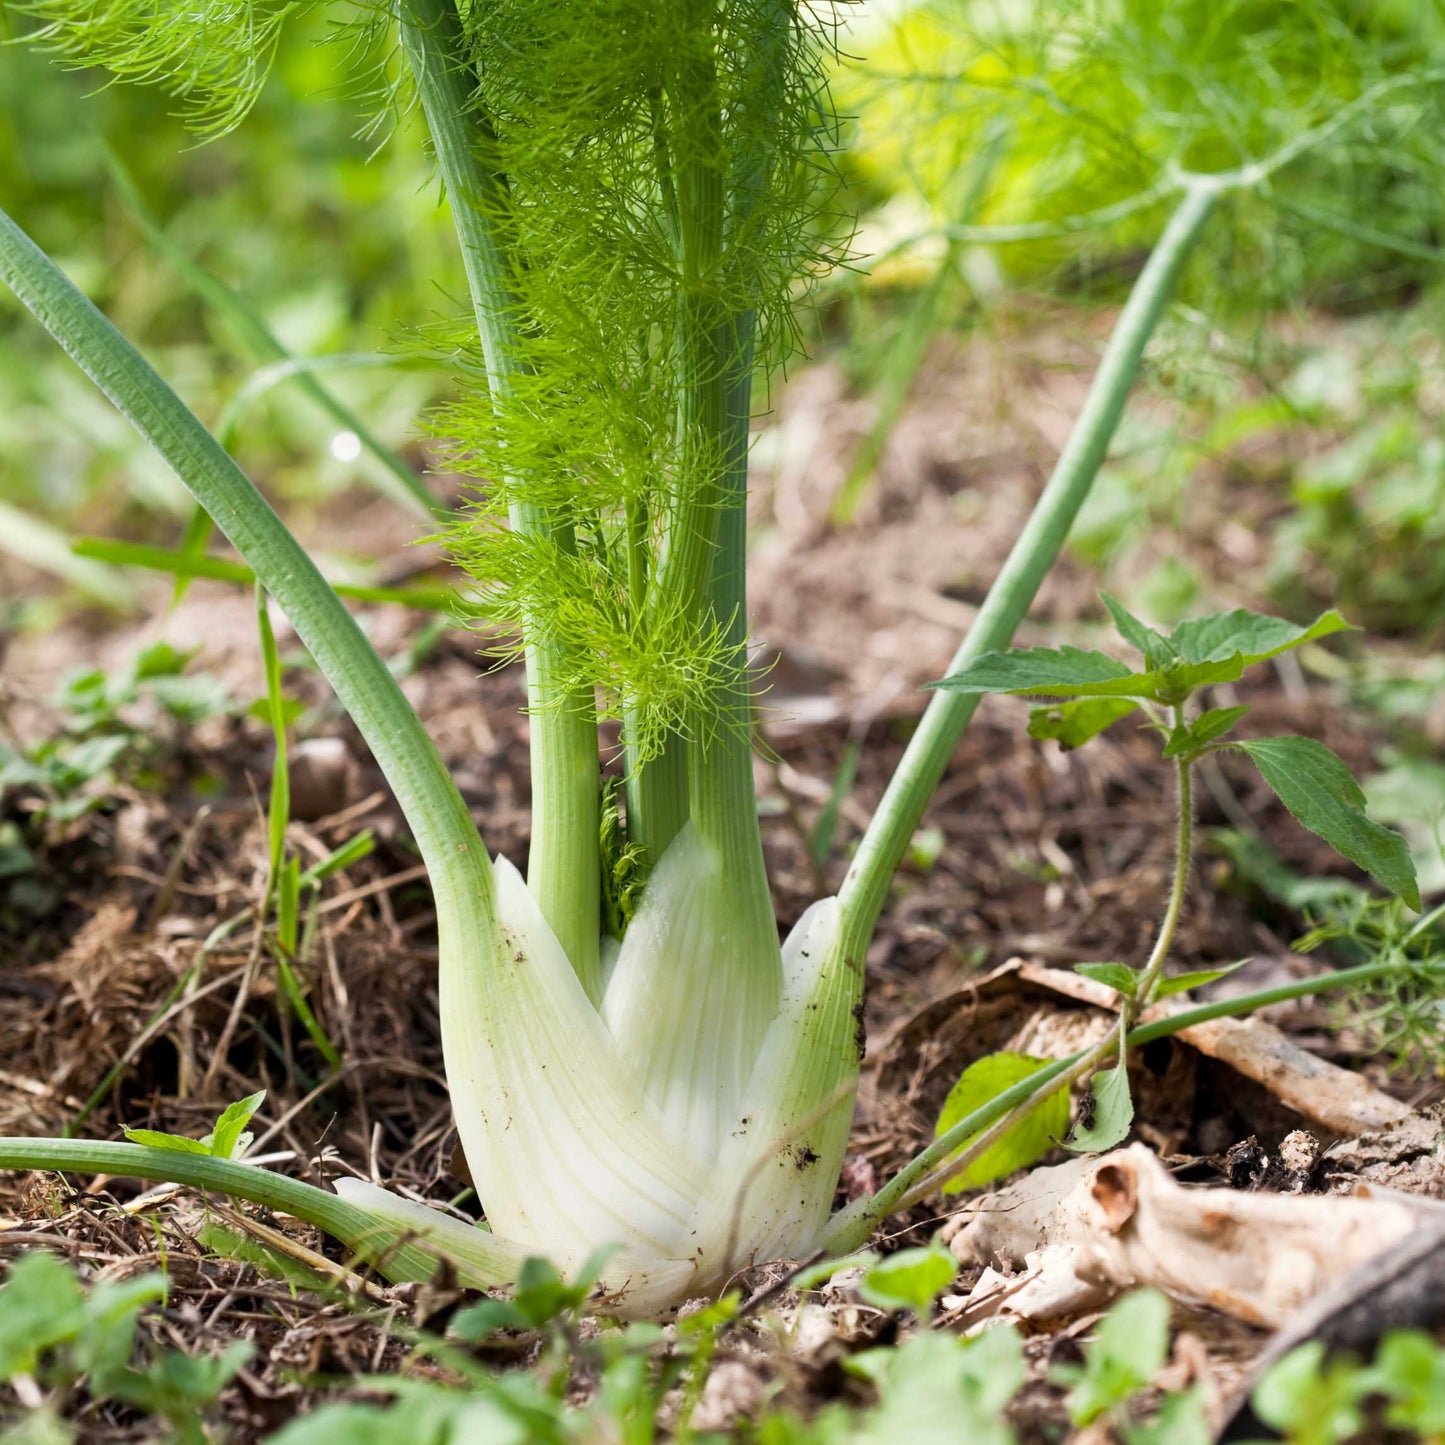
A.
pixel 1183 982
pixel 911 1279
pixel 1073 723
pixel 1113 1112
pixel 1203 730
pixel 1129 1347
pixel 1067 672
pixel 1049 672
pixel 1118 976
pixel 1318 789
pixel 232 1123
pixel 981 1082
pixel 176 1142
pixel 1250 635
pixel 1158 650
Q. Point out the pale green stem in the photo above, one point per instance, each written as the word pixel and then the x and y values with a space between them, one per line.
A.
pixel 1129 1008
pixel 1184 843
pixel 657 804
pixel 563 865
pixel 850 1228
pixel 921 768
pixel 385 1246
pixel 721 794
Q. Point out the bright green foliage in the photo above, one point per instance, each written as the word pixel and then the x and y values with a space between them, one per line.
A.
pixel 1127 1349
pixel 1310 780
pixel 227 1137
pixel 213 56
pixel 1206 650
pixel 1318 789
pixel 1023 1145
pixel 911 1279
pixel 61 1336
pixel 661 204
pixel 1101 99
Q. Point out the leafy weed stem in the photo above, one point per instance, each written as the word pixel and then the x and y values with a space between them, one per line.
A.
pixel 1131 1005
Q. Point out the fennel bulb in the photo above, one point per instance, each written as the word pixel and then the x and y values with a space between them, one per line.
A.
pixel 624 1127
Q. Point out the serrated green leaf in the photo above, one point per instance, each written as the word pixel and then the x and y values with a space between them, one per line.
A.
pixel 981 1082
pixel 1072 724
pixel 1118 976
pixel 1158 650
pixel 1113 1107
pixel 232 1123
pixel 1048 672
pixel 157 1140
pixel 1320 792
pixel 1208 726
pixel 1183 982
pixel 1251 635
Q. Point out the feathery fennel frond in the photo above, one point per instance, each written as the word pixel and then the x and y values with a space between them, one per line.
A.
pixel 1106 101
pixel 664 164
pixel 212 55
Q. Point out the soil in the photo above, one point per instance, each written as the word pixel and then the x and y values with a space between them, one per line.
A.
pixel 1048 856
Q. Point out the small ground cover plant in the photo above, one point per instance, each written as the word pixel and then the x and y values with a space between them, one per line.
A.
pixel 637 1065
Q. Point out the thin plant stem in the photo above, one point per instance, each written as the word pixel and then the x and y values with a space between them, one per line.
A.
pixel 563 867
pixel 1154 968
pixel 921 768
pixel 1130 1006
pixel 490 1261
pixel 850 1228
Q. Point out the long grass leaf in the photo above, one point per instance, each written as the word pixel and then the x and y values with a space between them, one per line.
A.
pixel 435 810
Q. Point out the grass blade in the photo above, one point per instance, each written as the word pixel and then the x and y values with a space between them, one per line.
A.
pixel 183 563
pixel 394 478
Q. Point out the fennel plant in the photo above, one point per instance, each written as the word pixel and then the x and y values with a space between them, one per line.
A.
pixel 639 188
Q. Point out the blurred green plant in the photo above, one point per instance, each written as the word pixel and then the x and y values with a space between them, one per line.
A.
pixel 108 733
pixel 67 1343
pixel 1089 112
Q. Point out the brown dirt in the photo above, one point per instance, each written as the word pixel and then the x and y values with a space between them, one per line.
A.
pixel 1055 857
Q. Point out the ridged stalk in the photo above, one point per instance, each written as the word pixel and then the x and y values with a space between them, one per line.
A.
pixel 490 1262
pixel 865 889
pixel 563 867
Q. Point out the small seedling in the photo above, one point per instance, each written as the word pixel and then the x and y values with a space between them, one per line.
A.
pixel 58 1335
pixel 911 1279
pixel 228 1137
pixel 1091 691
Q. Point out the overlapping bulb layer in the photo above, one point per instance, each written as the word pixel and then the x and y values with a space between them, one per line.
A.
pixel 692 1144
